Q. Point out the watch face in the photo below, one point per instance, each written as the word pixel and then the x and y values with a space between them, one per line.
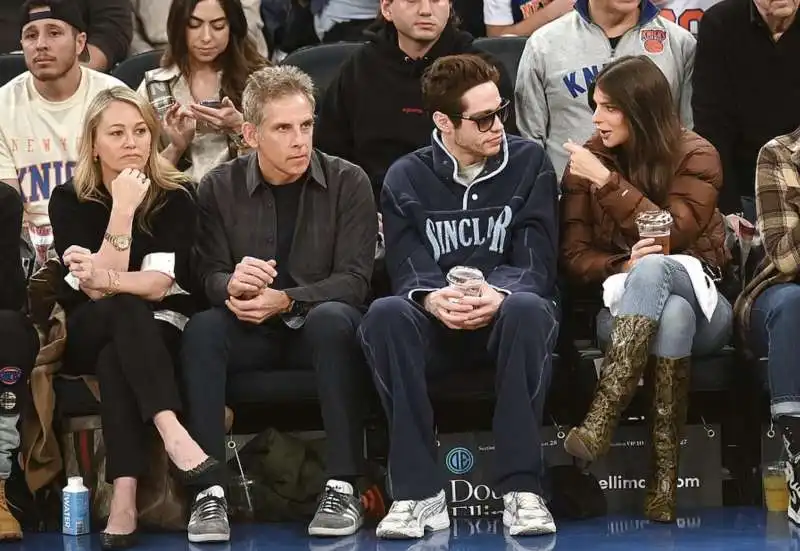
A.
pixel 124 242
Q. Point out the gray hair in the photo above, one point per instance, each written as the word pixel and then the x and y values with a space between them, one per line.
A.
pixel 271 83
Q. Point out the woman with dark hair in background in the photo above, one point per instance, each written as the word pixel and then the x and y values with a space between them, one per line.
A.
pixel 124 227
pixel 640 160
pixel 202 75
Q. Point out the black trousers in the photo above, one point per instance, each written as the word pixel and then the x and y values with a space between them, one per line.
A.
pixel 133 356
pixel 19 346
pixel 404 346
pixel 216 344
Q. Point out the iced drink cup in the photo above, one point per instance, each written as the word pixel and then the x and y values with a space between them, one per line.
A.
pixel 776 490
pixel 656 225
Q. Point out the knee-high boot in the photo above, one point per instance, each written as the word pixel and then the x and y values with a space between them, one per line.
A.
pixel 669 384
pixel 624 363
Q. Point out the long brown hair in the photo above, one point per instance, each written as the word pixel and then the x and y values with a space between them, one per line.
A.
pixel 88 178
pixel 239 59
pixel 638 88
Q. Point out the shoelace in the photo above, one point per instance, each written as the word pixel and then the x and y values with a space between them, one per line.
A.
pixel 402 510
pixel 532 502
pixel 333 502
pixel 208 508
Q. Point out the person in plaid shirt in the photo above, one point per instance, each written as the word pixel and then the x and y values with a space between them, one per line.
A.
pixel 769 307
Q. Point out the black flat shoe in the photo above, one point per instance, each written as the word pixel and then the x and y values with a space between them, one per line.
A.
pixel 118 541
pixel 192 475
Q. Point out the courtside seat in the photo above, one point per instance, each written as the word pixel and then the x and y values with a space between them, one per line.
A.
pixel 11 65
pixel 321 62
pixel 287 399
pixel 714 373
pixel 507 49
pixel 131 70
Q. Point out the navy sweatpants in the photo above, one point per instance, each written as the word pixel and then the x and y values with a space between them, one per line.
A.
pixel 404 346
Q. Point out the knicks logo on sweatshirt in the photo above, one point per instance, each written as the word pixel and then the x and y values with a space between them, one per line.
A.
pixel 653 40
pixel 449 236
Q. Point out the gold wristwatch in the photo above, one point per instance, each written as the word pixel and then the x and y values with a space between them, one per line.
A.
pixel 119 242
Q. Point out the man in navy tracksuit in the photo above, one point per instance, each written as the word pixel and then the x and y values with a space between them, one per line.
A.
pixel 476 198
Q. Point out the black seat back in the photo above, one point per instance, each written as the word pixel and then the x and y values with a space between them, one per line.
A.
pixel 322 62
pixel 11 65
pixel 131 71
pixel 507 50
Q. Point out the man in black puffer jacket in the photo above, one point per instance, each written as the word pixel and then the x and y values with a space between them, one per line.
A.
pixel 372 112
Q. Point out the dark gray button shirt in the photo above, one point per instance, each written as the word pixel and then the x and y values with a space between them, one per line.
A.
pixel 333 248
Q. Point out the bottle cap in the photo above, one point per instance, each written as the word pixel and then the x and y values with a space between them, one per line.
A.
pixel 75 481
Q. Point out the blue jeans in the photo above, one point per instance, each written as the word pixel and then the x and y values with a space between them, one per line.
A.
pixel 774 333
pixel 659 288
pixel 19 346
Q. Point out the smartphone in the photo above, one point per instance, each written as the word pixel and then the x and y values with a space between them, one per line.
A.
pixel 202 127
pixel 212 103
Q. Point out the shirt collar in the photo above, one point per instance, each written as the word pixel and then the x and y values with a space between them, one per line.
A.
pixel 255 178
pixel 792 142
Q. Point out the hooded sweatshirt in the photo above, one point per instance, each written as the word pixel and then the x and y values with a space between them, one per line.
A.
pixel 562 59
pixel 505 222
pixel 372 112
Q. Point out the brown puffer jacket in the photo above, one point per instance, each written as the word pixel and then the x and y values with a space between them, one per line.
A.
pixel 599 228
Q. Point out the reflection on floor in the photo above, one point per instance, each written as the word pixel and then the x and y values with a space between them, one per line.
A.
pixel 729 529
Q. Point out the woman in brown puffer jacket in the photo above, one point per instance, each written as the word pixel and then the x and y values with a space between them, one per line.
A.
pixel 640 160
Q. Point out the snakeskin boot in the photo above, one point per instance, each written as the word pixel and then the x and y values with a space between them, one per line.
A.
pixel 623 365
pixel 669 384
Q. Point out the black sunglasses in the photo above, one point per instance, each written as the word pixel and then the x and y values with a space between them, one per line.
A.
pixel 485 122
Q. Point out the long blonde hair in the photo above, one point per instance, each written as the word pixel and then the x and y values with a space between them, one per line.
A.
pixel 163 176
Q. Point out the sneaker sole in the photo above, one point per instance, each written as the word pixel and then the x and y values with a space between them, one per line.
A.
pixel 522 530
pixel 321 531
pixel 209 538
pixel 440 521
pixel 541 530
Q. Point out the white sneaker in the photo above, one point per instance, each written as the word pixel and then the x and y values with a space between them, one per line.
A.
pixel 410 519
pixel 526 514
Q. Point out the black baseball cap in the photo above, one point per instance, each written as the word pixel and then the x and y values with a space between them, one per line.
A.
pixel 67 11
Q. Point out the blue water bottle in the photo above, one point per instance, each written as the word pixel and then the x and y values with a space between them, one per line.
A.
pixel 75 507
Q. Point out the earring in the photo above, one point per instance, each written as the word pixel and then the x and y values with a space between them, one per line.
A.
pixel 96 158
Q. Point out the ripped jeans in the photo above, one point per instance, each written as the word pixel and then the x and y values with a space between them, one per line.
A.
pixel 659 288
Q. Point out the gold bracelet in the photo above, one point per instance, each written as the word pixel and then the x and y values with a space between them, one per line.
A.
pixel 113 283
pixel 107 291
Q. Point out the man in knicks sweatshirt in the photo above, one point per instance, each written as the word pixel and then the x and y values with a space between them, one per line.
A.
pixel 562 59
pixel 483 199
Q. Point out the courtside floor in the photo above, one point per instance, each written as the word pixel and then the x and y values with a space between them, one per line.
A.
pixel 728 529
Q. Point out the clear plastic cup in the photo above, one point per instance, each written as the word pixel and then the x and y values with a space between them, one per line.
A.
pixel 776 489
pixel 42 240
pixel 467 280
pixel 656 225
pixel 240 498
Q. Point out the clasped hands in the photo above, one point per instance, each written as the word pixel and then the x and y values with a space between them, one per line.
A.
pixel 80 262
pixel 251 299
pixel 461 312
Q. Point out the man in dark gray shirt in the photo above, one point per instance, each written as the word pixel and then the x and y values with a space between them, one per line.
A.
pixel 285 251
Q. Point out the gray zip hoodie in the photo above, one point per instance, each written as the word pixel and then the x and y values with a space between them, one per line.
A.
pixel 563 58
